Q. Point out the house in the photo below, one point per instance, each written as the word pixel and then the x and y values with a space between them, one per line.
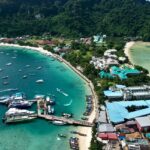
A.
pixel 143 123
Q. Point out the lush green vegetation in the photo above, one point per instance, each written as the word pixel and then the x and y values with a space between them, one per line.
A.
pixel 75 18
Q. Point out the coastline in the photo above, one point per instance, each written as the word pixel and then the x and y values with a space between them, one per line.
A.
pixel 84 142
pixel 127 49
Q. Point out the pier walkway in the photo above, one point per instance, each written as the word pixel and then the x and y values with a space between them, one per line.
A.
pixel 42 113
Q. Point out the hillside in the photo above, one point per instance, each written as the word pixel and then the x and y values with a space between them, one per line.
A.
pixel 75 17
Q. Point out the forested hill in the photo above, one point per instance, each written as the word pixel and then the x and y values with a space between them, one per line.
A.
pixel 75 17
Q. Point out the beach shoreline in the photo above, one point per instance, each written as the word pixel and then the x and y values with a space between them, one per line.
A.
pixel 84 142
pixel 127 49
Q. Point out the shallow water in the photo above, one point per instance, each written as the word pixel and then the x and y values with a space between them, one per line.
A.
pixel 39 134
pixel 140 54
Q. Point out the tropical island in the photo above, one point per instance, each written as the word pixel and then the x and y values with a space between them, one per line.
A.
pixel 101 53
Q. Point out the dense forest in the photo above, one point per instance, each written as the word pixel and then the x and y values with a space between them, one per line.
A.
pixel 75 17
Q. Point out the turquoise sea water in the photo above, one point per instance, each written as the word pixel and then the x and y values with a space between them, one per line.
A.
pixel 140 54
pixel 39 134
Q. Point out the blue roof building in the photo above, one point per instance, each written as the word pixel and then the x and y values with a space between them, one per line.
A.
pixel 118 112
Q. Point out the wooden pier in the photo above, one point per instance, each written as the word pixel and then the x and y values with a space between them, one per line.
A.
pixel 42 113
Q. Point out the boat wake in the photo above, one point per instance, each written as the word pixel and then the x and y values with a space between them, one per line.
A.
pixel 8 90
pixel 62 92
pixel 68 103
pixel 58 139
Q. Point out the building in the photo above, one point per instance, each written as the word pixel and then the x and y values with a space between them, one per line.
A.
pixel 121 92
pixel 118 112
pixel 105 128
pixel 143 123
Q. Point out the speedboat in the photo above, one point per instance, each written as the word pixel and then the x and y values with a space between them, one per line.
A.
pixel 38 68
pixel 50 109
pixel 1 70
pixel 61 123
pixel 40 81
pixel 27 66
pixel 8 64
pixel 67 115
pixel 20 104
pixel 5 83
pixel 24 77
pixel 62 135
pixel 5 77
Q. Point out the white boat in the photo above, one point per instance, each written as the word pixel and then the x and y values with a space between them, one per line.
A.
pixel 50 109
pixel 19 70
pixel 38 68
pixel 27 66
pixel 8 64
pixel 62 92
pixel 61 123
pixel 15 111
pixel 39 96
pixel 1 69
pixel 40 81
pixel 24 77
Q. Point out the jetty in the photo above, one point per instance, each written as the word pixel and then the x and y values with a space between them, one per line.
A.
pixel 42 113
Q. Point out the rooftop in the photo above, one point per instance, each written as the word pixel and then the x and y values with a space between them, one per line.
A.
pixel 143 121
pixel 118 112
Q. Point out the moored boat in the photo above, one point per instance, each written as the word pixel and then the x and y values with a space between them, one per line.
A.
pixel 20 112
pixel 67 115
pixel 50 109
pixel 20 104
pixel 61 123
pixel 24 77
pixel 62 135
pixel 17 119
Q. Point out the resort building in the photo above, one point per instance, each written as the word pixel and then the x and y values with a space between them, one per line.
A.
pixel 121 92
pixel 109 59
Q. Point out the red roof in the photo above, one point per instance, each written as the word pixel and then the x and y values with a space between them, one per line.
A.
pixel 103 136
pixel 112 136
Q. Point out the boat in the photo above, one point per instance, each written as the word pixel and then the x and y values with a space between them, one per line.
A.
pixel 1 70
pixel 24 77
pixel 27 66
pixel 67 115
pixel 40 81
pixel 74 143
pixel 62 135
pixel 49 100
pixel 61 91
pixel 84 118
pixel 50 109
pixel 18 96
pixel 15 111
pixel 39 96
pixel 8 64
pixel 61 123
pixel 15 119
pixel 19 70
pixel 5 77
pixel 38 68
pixel 5 83
pixel 22 104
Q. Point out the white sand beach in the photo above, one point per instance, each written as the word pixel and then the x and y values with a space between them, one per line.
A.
pixel 84 142
pixel 127 49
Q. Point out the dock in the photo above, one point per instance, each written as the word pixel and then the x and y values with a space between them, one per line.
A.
pixel 42 113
